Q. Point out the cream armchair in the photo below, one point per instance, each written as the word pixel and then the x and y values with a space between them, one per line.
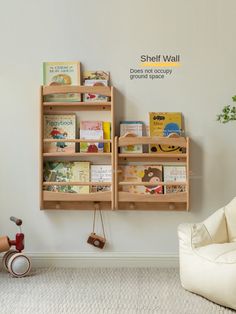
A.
pixel 207 253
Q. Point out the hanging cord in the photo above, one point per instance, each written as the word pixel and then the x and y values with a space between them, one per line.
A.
pixel 101 218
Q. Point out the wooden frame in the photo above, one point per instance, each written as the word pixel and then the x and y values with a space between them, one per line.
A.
pixel 137 201
pixel 54 200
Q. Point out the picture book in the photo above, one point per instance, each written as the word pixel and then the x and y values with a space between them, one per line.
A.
pixel 67 172
pixel 90 97
pixel 59 126
pixel 91 130
pixel 86 147
pixel 107 135
pixel 96 75
pixel 163 124
pixel 134 127
pixel 91 125
pixel 144 173
pixel 174 174
pixel 101 173
pixel 62 73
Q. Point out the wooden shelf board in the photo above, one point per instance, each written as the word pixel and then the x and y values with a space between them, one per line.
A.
pixel 75 103
pixel 76 197
pixel 74 205
pixel 137 140
pixel 76 154
pixel 77 140
pixel 76 183
pixel 157 198
pixel 64 89
pixel 76 107
pixel 152 155
pixel 181 206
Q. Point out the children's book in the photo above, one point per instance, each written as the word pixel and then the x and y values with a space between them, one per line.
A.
pixel 96 75
pixel 91 125
pixel 164 124
pixel 144 173
pixel 86 147
pixel 59 126
pixel 101 173
pixel 174 174
pixel 62 73
pixel 107 136
pixel 134 127
pixel 92 130
pixel 67 172
pixel 90 97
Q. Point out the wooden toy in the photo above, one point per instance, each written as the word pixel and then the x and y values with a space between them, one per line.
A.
pixel 14 260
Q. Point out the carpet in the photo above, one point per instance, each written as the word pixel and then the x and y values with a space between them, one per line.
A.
pixel 101 291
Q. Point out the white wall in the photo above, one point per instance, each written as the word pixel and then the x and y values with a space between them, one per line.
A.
pixel 111 35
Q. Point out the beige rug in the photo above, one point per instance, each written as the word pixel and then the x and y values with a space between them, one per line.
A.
pixel 101 290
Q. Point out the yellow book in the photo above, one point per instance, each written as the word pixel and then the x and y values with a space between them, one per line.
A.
pixel 163 124
pixel 107 136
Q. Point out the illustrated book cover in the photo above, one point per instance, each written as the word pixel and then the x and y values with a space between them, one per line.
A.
pixel 134 127
pixel 90 97
pixel 101 173
pixel 62 73
pixel 164 124
pixel 92 130
pixel 142 173
pixel 174 174
pixel 67 172
pixel 62 126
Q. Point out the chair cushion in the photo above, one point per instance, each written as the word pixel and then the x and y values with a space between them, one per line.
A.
pixel 230 214
pixel 219 253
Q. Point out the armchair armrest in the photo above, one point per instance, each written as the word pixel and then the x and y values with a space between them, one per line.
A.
pixel 193 235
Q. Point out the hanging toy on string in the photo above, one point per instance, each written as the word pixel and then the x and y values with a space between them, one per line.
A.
pixel 94 239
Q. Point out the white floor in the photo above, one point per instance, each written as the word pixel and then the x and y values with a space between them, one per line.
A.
pixel 101 290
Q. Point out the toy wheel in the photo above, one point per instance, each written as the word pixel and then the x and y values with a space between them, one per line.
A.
pixel 6 258
pixel 4 244
pixel 19 265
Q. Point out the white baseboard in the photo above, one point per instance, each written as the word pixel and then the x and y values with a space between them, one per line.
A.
pixel 103 259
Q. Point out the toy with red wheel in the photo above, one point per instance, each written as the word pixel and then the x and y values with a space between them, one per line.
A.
pixel 14 260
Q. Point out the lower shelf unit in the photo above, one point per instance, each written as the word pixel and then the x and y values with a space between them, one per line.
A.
pixel 136 201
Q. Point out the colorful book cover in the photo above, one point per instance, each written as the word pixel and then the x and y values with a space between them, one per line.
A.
pixel 90 97
pixel 59 127
pixel 134 127
pixel 101 173
pixel 144 173
pixel 67 172
pixel 163 124
pixel 174 174
pixel 91 125
pixel 107 136
pixel 86 147
pixel 62 73
pixel 96 75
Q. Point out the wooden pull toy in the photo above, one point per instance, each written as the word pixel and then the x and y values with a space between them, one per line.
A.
pixel 14 260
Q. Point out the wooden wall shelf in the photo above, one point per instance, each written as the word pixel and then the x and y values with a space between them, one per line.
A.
pixel 135 201
pixel 60 200
pixel 114 199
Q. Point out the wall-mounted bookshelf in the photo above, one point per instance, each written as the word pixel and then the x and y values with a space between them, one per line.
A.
pixel 115 199
pixel 61 200
pixel 139 201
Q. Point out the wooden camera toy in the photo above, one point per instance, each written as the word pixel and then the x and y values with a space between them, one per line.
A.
pixel 14 260
pixel 96 240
